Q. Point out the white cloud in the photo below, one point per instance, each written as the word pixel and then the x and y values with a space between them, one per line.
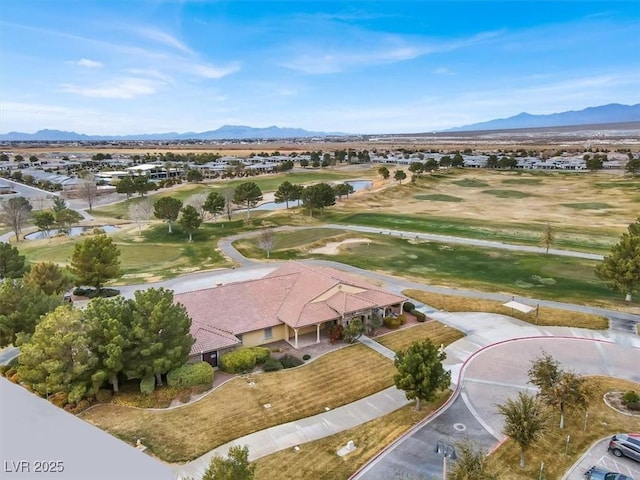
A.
pixel 163 38
pixel 333 62
pixel 374 50
pixel 151 73
pixel 443 71
pixel 209 71
pixel 85 62
pixel 125 88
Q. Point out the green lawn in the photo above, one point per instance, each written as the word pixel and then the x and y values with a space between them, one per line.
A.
pixel 551 277
pixel 588 205
pixel 438 197
pixel 267 183
pixel 470 182
pixel 508 193
pixel 581 239
pixel 154 254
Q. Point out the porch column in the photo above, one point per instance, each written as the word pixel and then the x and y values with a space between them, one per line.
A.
pixel 295 342
pixel 318 333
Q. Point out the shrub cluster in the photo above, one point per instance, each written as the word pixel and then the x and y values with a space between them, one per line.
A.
pixel 190 375
pixel 148 385
pixel 272 365
pixel 244 359
pixel 408 307
pixel 91 292
pixel 420 317
pixel 286 361
pixel 306 357
pixel 241 360
pixel 391 322
pixel 289 361
pixel 630 397
pixel 262 354
pixel 395 322
pixel 336 334
pixel 631 400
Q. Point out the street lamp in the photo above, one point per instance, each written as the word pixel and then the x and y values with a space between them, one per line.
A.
pixel 447 451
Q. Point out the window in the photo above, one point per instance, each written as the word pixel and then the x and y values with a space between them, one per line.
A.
pixel 268 333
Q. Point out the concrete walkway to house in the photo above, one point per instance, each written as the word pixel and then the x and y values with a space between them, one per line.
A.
pixel 289 435
pixel 381 349
pixel 482 330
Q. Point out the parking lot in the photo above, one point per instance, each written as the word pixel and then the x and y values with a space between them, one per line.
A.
pixel 599 456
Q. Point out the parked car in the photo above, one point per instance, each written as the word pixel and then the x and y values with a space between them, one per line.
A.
pixel 595 473
pixel 626 445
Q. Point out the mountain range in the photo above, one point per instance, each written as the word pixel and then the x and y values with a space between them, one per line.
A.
pixel 611 113
pixel 226 132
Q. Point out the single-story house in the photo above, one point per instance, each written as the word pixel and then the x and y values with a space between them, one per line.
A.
pixel 295 303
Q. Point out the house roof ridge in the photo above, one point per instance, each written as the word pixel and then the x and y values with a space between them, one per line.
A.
pixel 213 329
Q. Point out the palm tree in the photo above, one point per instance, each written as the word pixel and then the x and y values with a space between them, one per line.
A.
pixel 525 421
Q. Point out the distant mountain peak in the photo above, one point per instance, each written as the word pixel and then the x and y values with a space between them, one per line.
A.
pixel 225 132
pixel 611 113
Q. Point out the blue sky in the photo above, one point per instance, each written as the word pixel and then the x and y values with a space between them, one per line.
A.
pixel 149 66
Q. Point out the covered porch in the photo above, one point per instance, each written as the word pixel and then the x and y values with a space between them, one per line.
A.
pixel 303 337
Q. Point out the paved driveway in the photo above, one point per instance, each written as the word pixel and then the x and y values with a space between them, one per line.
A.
pixel 598 455
pixel 492 375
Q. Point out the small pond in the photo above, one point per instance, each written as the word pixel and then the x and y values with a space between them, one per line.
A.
pixel 73 232
pixel 356 184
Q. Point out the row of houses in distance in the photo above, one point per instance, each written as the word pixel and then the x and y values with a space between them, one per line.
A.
pixel 558 162
pixel 62 170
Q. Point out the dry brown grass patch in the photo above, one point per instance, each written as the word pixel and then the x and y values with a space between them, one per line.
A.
pixel 546 316
pixel 319 459
pixel 437 332
pixel 602 421
pixel 237 408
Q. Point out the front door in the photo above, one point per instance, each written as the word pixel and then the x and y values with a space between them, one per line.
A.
pixel 211 358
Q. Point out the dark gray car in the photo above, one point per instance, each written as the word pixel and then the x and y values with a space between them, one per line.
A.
pixel 595 473
pixel 626 445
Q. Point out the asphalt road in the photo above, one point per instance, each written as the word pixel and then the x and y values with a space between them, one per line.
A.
pixel 490 377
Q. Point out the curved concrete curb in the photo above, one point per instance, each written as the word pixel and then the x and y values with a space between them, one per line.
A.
pixel 457 391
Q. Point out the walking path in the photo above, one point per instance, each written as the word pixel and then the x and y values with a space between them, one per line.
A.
pixel 381 349
pixel 483 331
pixel 489 365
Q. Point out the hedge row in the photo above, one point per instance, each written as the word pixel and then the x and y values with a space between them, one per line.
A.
pixel 286 361
pixel 190 375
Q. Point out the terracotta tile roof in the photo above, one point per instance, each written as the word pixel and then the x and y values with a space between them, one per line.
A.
pixel 344 303
pixel 209 338
pixel 295 294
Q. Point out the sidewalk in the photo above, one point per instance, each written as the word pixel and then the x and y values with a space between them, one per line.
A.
pixel 482 329
pixel 289 435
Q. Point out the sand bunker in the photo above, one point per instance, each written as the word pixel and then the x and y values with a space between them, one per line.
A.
pixel 333 248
